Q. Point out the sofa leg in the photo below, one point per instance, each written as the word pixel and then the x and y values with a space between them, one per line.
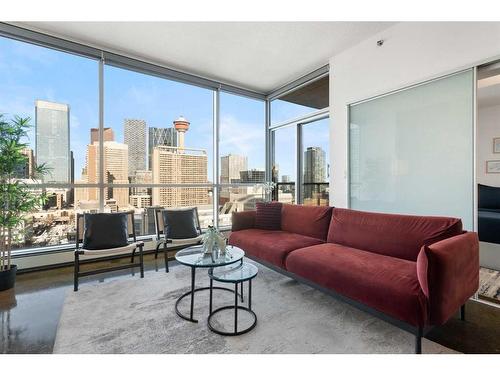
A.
pixel 418 341
pixel 76 271
pixel 462 312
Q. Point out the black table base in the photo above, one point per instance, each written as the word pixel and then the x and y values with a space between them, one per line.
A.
pixel 191 293
pixel 236 307
pixel 235 332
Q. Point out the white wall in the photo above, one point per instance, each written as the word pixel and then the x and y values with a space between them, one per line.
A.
pixel 488 127
pixel 412 52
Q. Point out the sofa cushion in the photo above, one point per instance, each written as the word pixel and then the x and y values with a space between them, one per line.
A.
pixel 311 221
pixel 270 246
pixel 387 284
pixel 242 220
pixel 400 236
pixel 268 215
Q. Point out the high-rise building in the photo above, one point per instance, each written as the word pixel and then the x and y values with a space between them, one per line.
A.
pixel 252 176
pixel 142 177
pixel 314 170
pixel 135 138
pixel 52 139
pixel 26 170
pixel 231 166
pixel 115 160
pixel 180 165
pixel 160 137
pixel 108 135
pixel 285 178
pixel 173 165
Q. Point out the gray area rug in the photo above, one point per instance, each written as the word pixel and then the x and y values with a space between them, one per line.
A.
pixel 489 284
pixel 137 316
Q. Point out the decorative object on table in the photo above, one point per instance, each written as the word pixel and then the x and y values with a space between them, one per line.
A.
pixel 496 145
pixel 176 229
pixel 267 189
pixel 16 197
pixel 214 242
pixel 111 234
pixel 493 166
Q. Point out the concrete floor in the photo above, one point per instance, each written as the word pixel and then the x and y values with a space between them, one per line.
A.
pixel 30 314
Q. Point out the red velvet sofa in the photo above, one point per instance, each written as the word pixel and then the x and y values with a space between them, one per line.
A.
pixel 413 271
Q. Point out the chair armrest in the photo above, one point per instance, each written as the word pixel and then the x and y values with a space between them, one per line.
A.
pixel 242 220
pixel 448 272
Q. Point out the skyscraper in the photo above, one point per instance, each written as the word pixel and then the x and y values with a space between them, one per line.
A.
pixel 108 135
pixel 173 165
pixel 314 169
pixel 252 176
pixel 52 139
pixel 135 137
pixel 25 171
pixel 160 137
pixel 115 160
pixel 231 166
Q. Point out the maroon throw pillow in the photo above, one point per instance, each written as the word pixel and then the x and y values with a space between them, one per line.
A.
pixel 268 215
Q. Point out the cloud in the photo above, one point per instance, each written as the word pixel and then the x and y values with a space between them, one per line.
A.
pixel 243 138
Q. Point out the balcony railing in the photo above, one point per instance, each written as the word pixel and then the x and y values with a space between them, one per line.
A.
pixel 313 193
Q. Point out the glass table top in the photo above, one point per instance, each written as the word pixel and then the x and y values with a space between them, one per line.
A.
pixel 193 256
pixel 234 273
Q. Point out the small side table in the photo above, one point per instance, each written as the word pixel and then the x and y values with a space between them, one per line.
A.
pixel 235 274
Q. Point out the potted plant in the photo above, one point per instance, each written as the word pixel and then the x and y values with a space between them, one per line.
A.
pixel 16 198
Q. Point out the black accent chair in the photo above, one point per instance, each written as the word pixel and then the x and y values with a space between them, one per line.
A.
pixel 489 213
pixel 109 236
pixel 176 229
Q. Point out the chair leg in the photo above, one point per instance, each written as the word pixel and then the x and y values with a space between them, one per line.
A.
pixel 165 251
pixel 157 249
pixel 76 271
pixel 141 259
pixel 462 312
pixel 418 340
pixel 133 256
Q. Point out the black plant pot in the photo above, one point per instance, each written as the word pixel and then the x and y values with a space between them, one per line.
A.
pixel 8 278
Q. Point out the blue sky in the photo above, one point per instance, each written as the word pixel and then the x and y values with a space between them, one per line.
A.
pixel 29 72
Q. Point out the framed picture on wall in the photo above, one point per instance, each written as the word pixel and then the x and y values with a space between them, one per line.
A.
pixel 493 166
pixel 496 145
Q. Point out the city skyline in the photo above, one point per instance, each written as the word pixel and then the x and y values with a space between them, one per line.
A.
pixel 32 72
pixel 40 75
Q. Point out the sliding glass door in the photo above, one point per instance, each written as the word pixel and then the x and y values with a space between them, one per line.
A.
pixel 412 151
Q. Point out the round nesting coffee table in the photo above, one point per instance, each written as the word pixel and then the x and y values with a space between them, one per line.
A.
pixel 194 258
pixel 236 274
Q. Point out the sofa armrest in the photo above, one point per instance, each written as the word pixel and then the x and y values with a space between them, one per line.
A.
pixel 242 220
pixel 448 272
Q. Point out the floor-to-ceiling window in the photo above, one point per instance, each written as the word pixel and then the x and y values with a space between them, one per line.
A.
pixel 156 132
pixel 315 163
pixel 299 137
pixel 241 155
pixel 59 93
pixel 119 137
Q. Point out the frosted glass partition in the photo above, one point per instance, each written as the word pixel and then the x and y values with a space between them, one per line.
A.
pixel 412 151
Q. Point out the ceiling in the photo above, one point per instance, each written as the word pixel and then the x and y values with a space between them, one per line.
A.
pixel 314 95
pixel 260 56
